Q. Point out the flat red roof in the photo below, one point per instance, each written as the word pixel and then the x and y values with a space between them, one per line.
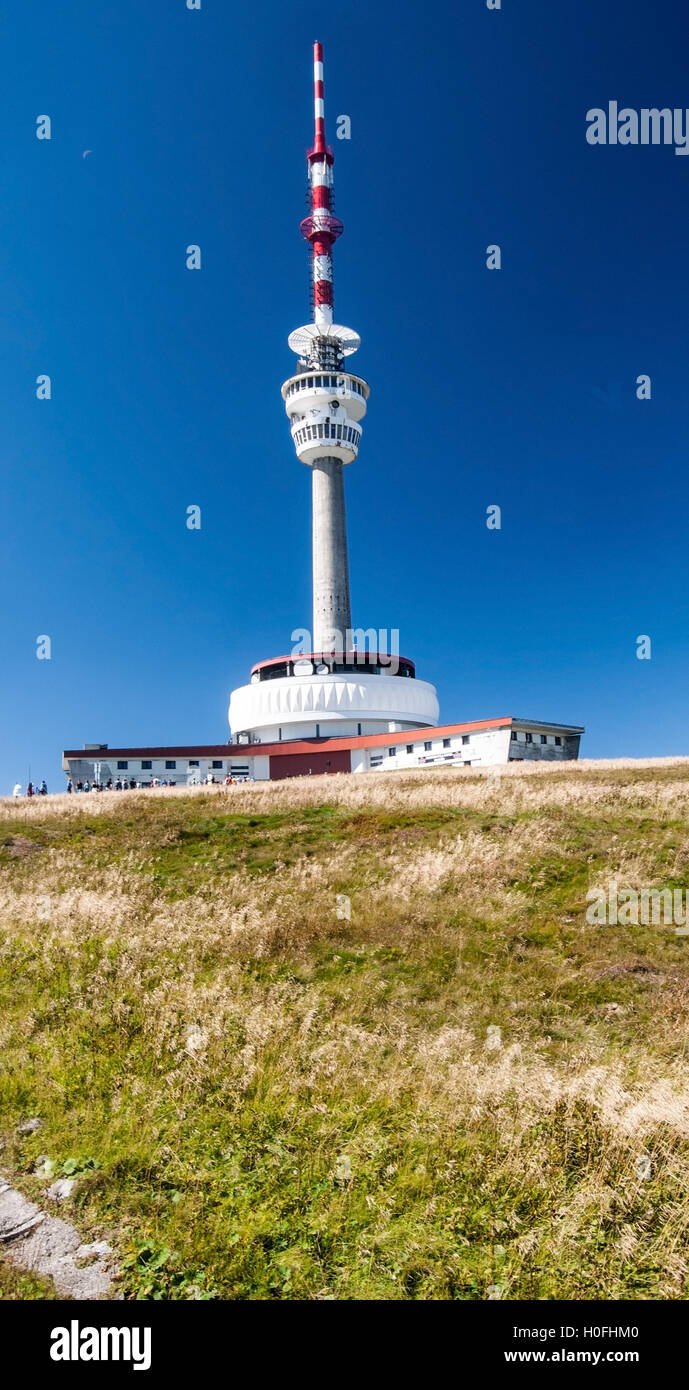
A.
pixel 376 740
pixel 237 751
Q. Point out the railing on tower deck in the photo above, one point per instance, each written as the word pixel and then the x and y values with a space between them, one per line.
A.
pixel 338 663
pixel 308 380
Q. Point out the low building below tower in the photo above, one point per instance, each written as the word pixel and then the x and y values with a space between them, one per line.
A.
pixel 483 743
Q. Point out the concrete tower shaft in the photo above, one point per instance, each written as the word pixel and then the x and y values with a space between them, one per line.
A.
pixel 332 615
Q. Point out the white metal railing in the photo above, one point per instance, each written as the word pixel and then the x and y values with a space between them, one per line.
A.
pixel 326 383
pixel 336 433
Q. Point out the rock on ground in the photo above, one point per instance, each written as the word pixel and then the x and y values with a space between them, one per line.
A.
pixel 47 1246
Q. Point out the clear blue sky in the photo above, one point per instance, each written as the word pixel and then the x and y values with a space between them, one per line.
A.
pixel 514 387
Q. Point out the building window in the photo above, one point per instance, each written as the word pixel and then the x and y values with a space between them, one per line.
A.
pixel 529 738
pixel 446 743
pixel 428 747
pixel 318 731
pixel 170 764
pixel 391 752
pixel 358 729
pixel 193 762
pixel 217 763
pixel 146 765
pixel 410 748
pixel 514 735
pixel 544 738
pixel 122 767
pixel 465 738
pixel 558 741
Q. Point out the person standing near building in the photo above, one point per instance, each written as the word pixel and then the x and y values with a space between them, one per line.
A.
pixel 29 789
pixel 17 789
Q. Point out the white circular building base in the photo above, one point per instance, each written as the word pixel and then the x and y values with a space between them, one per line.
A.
pixel 330 705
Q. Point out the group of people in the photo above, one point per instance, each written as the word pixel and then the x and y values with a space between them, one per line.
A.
pixel 121 785
pixel 31 789
pixel 129 784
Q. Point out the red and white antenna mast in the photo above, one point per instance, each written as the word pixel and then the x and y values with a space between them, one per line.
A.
pixel 321 229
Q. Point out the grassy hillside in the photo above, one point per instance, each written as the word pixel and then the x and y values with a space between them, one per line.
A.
pixel 262 1099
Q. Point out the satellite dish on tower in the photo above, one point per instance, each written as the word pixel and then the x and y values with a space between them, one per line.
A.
pixel 303 339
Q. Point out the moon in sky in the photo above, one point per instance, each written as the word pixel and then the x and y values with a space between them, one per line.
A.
pixel 86 152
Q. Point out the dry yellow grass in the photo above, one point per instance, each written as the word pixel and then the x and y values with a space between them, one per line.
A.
pixel 183 1004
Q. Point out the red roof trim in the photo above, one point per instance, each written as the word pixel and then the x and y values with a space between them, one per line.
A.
pixel 237 751
pixel 382 740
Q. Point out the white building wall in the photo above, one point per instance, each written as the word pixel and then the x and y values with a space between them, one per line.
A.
pixel 323 728
pixel 182 775
pixel 539 745
pixel 261 766
pixel 481 748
